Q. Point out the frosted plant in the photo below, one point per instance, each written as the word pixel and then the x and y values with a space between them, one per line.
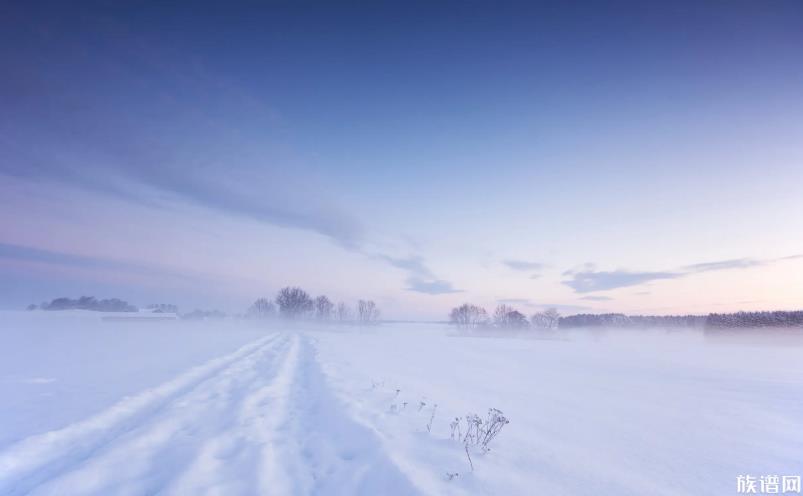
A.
pixel 432 417
pixel 480 433
pixel 421 405
pixel 452 475
pixel 455 425
pixel 494 423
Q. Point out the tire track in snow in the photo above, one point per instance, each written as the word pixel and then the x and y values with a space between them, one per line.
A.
pixel 215 471
pixel 34 460
pixel 259 421
pixel 322 450
pixel 152 455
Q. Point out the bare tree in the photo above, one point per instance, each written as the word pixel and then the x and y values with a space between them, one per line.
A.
pixel 323 308
pixel 468 316
pixel 263 308
pixel 506 317
pixel 367 312
pixel 548 319
pixel 293 303
pixel 343 312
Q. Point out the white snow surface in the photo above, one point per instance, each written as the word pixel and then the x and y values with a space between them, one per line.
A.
pixel 231 408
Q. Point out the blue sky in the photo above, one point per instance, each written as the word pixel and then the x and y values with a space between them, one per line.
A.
pixel 600 156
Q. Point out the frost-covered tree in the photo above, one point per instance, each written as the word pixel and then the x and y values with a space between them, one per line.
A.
pixel 548 319
pixel 293 303
pixel 506 317
pixel 263 308
pixel 323 308
pixel 595 320
pixel 89 303
pixel 755 319
pixel 468 316
pixel 163 308
pixel 343 312
pixel 367 312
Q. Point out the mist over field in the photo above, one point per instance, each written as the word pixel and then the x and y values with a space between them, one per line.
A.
pixel 98 405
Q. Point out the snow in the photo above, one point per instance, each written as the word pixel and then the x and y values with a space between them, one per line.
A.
pixel 229 407
pixel 57 368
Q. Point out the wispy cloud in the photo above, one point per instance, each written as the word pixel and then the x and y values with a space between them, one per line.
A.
pixel 516 301
pixel 596 298
pixel 420 278
pixel 432 287
pixel 565 309
pixel 413 264
pixel 737 263
pixel 182 133
pixel 522 265
pixel 588 279
pixel 54 258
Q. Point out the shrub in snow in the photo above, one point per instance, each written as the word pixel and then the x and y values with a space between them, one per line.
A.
pixel 478 432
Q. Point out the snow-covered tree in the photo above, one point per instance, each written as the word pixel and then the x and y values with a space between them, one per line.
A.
pixel 343 312
pixel 506 317
pixel 263 308
pixel 548 319
pixel 367 312
pixel 323 308
pixel 294 303
pixel 468 316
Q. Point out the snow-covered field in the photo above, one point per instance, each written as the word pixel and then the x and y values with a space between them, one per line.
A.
pixel 105 408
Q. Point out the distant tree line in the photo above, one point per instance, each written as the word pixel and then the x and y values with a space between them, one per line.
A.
pixel 86 303
pixel 293 303
pixel 468 316
pixel 754 319
pixel 635 321
pixel 713 320
pixel 163 308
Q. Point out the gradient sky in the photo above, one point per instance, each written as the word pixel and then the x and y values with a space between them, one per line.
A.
pixel 641 157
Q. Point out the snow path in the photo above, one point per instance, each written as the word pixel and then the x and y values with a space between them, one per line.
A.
pixel 261 420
